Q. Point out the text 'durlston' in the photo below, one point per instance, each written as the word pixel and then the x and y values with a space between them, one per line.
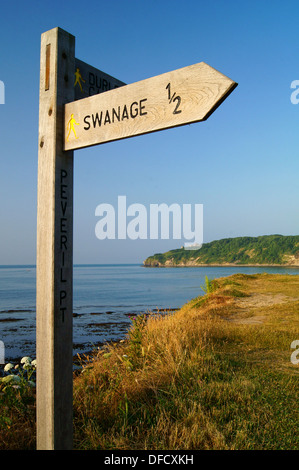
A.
pixel 173 99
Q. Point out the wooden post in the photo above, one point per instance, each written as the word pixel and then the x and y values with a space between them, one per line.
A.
pixel 54 264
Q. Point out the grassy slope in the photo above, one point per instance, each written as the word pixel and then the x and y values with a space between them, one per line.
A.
pixel 268 249
pixel 214 375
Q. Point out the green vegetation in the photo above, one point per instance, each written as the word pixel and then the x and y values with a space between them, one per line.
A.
pixel 17 405
pixel 216 374
pixel 265 250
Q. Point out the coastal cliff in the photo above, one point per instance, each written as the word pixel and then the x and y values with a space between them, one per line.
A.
pixel 266 250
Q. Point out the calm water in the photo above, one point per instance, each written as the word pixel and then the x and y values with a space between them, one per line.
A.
pixel 104 296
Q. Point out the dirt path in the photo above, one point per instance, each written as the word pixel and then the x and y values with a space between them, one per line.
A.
pixel 248 306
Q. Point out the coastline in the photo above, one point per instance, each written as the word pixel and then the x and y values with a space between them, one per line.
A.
pixel 226 265
pixel 100 310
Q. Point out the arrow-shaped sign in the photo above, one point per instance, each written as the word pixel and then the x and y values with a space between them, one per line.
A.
pixel 183 96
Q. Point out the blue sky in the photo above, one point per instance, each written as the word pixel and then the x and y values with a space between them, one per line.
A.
pixel 242 163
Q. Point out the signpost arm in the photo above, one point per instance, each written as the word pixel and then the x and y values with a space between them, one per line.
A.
pixel 54 264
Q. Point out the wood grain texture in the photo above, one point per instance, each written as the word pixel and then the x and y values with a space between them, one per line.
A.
pixel 54 259
pixel 169 100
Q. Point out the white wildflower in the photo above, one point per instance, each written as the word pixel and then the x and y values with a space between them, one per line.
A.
pixel 26 359
pixel 8 379
pixel 8 367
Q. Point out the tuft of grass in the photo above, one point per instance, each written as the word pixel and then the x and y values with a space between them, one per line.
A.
pixel 208 287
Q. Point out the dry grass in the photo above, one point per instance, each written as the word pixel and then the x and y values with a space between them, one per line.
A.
pixel 206 377
pixel 214 375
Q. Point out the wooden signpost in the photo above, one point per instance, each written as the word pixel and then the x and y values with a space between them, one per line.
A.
pixel 54 262
pixel 66 122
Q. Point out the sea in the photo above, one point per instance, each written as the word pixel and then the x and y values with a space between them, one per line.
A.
pixel 105 297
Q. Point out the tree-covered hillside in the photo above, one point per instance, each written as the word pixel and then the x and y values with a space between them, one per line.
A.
pixel 267 250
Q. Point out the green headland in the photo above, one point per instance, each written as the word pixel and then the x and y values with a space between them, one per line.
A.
pixel 266 250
